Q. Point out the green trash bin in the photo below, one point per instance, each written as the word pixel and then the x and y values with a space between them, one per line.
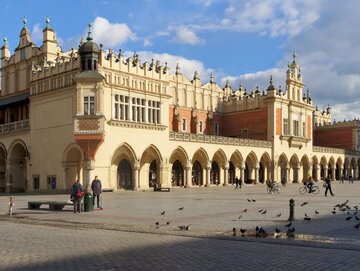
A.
pixel 88 202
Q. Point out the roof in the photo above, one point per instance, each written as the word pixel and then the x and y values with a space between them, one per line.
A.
pixel 89 47
pixel 89 75
pixel 14 99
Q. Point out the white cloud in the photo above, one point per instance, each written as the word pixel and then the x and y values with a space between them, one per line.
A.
pixel 187 36
pixel 111 34
pixel 37 33
pixel 147 42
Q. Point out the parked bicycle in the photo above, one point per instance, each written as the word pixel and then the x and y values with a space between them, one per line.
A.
pixel 314 190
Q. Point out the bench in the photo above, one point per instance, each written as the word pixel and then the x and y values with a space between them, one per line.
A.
pixel 162 189
pixel 53 205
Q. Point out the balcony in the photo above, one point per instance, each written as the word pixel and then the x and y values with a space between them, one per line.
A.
pixel 22 125
pixel 89 125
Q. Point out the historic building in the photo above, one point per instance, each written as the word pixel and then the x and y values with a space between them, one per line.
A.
pixel 86 112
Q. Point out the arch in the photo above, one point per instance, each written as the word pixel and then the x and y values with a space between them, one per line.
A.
pixel 150 163
pixel 3 157
pixel 179 154
pixel 283 164
pixel 125 175
pixel 236 158
pixel 315 168
pixel 18 157
pixel 201 156
pixel 305 164
pixel 294 167
pixel 264 168
pixel 214 173
pixel 72 164
pixel 220 157
pixel 251 167
pixel 178 162
pixel 200 162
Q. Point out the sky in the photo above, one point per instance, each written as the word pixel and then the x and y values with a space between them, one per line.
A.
pixel 237 40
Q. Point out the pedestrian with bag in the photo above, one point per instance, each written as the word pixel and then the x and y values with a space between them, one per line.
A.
pixel 76 194
pixel 328 187
pixel 96 188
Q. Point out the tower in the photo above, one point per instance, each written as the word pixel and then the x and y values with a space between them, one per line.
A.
pixel 89 54
pixel 294 83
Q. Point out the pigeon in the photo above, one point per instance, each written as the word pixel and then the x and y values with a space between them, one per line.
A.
pixel 253 200
pixel 348 218
pixel 357 218
pixel 244 211
pixel 278 215
pixel 186 228
pixel 356 207
pixel 234 231
pixel 264 212
pixel 304 203
pixel 333 212
pixel 168 223
pixel 249 200
pixel 162 213
pixel 290 232
pixel 288 225
pixel 277 230
pixel 181 208
pixel 157 223
pixel 257 229
pixel 317 212
pixel 240 216
pixel 261 210
pixel 242 231
pixel 357 226
pixel 307 218
pixel 306 215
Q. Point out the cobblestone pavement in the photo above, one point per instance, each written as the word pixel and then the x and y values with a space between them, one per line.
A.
pixel 123 236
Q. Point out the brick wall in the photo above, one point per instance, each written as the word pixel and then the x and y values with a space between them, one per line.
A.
pixel 341 137
pixel 255 122
pixel 278 116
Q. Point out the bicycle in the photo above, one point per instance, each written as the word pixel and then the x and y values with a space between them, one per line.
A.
pixel 274 188
pixel 304 189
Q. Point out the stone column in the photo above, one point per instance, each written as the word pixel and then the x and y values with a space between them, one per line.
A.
pixel 207 184
pixel 257 174
pixel 188 176
pixel 333 174
pixel 290 174
pixel 325 172
pixel 226 174
pixel 136 177
pixel 242 173
pixel 317 172
pixel 8 181
pixel 27 175
pixel 300 170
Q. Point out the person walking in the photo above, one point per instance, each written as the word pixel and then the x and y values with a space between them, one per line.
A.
pixel 236 183
pixel 96 188
pixel 76 194
pixel 328 187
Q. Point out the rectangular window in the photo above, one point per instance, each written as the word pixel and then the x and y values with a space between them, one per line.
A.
pixel 36 182
pixel 200 126
pixel 183 125
pixel 245 133
pixel 296 128
pixel 285 126
pixel 216 128
pixel 304 130
pixel 89 105
pixel 51 182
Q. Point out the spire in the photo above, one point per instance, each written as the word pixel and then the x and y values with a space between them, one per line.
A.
pixel 89 38
pixel 24 22
pixel 177 72
pixel 47 21
pixel 196 75
pixel 212 81
pixel 271 86
pixel 240 86
pixel 294 56
pixel 5 41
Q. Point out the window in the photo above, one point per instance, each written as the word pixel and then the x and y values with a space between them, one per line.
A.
pixel 51 182
pixel 200 126
pixel 216 128
pixel 296 128
pixel 22 54
pixel 245 133
pixel 154 112
pixel 304 130
pixel 183 125
pixel 36 182
pixel 89 105
pixel 285 126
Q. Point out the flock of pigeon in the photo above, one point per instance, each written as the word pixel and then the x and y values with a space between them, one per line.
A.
pixel 289 229
pixel 181 227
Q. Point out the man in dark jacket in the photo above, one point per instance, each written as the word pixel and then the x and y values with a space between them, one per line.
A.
pixel 77 192
pixel 96 188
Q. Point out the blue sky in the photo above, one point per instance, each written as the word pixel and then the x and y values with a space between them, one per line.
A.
pixel 237 40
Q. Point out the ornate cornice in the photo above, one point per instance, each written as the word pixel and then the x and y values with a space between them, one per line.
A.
pixel 136 125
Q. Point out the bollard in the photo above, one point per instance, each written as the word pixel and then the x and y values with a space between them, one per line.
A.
pixel 11 204
pixel 291 205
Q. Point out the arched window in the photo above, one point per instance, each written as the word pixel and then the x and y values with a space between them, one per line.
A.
pixel 95 64
pixel 89 64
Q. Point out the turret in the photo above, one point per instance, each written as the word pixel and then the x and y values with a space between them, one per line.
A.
pixel 49 39
pixel 5 52
pixel 294 83
pixel 89 54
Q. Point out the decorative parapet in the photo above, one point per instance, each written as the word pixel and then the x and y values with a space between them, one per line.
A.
pixel 338 124
pixel 89 125
pixel 328 150
pixel 137 125
pixel 200 138
pixel 352 152
pixel 14 126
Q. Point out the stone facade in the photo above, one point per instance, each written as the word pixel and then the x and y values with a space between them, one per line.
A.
pixel 86 112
